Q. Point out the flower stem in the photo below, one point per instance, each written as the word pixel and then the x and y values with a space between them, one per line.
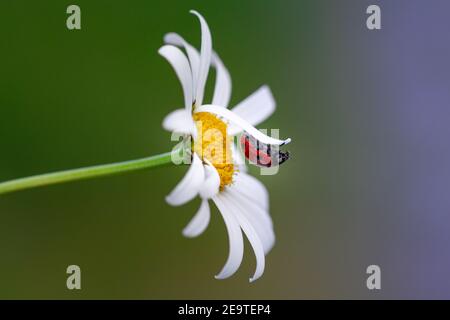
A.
pixel 84 173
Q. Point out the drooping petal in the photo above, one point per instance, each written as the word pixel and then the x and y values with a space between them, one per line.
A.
pixel 193 55
pixel 252 236
pixel 190 185
pixel 179 120
pixel 235 238
pixel 200 221
pixel 253 189
pixel 261 214
pixel 254 109
pixel 237 120
pixel 256 245
pixel 259 219
pixel 209 188
pixel 181 66
pixel 211 184
pixel 222 89
pixel 205 58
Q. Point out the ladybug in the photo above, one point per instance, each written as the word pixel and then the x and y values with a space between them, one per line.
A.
pixel 261 154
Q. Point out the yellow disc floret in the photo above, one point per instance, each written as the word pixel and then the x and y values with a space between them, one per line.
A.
pixel 214 145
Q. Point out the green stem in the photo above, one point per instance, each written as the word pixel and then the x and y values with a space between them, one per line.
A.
pixel 84 173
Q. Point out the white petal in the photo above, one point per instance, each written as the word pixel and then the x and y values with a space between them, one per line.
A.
pixel 205 59
pixel 200 221
pixel 259 212
pixel 179 120
pixel 181 66
pixel 234 118
pixel 222 89
pixel 234 236
pixel 190 185
pixel 259 219
pixel 254 109
pixel 252 236
pixel 193 55
pixel 256 245
pixel 253 189
pixel 211 184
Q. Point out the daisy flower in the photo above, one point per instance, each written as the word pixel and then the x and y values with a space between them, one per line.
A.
pixel 217 170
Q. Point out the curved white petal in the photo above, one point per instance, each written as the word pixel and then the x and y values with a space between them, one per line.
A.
pixel 200 221
pixel 190 185
pixel 251 205
pixel 235 238
pixel 181 66
pixel 205 58
pixel 252 236
pixel 237 120
pixel 222 89
pixel 179 120
pixel 257 247
pixel 211 184
pixel 259 219
pixel 253 189
pixel 255 108
pixel 193 55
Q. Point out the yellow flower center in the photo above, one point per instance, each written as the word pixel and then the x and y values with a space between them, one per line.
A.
pixel 213 144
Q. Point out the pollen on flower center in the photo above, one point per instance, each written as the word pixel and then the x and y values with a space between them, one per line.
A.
pixel 213 144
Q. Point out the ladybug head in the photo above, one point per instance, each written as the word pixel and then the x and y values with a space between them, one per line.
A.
pixel 283 156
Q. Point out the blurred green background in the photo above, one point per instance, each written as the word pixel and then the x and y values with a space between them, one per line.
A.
pixel 98 95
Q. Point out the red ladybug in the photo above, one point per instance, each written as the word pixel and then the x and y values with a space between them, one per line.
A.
pixel 261 154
